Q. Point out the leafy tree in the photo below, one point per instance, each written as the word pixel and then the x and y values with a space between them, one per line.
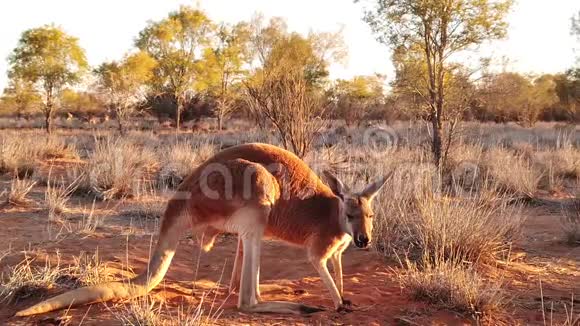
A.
pixel 540 95
pixel 264 37
pixel 353 98
pixel 568 91
pixel 223 67
pixel 123 83
pixel 285 89
pixel 568 84
pixel 276 50
pixel 411 86
pixel 511 96
pixel 439 29
pixel 176 43
pixel 503 95
pixel 21 96
pixel 50 59
pixel 288 103
pixel 80 103
pixel 576 25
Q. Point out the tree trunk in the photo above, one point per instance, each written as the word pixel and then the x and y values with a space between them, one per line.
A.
pixel 219 121
pixel 49 108
pixel 121 126
pixel 48 118
pixel 178 115
pixel 436 144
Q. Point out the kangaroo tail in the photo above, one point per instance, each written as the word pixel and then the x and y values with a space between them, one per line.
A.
pixel 171 228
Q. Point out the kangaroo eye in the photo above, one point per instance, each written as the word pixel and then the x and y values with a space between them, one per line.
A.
pixel 349 217
pixel 370 216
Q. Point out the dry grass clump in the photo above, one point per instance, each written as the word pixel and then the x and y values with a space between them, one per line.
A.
pixel 89 270
pixel 452 286
pixel 56 198
pixel 334 158
pixel 19 189
pixel 510 174
pixel 18 155
pixel 443 238
pixel 90 221
pixel 478 227
pixel 117 168
pixel 78 174
pixel 145 311
pixel 462 167
pixel 194 315
pixel 564 162
pixel 570 221
pixel 180 159
pixel 27 280
pixel 57 148
pixel 142 311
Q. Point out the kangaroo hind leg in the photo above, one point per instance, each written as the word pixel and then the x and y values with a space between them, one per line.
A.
pixel 237 271
pixel 248 297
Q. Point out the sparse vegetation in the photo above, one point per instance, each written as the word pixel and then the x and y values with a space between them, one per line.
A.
pixel 571 222
pixel 56 148
pixel 476 156
pixel 89 221
pixel 451 285
pixel 30 280
pixel 520 180
pixel 17 155
pixel 26 280
pixel 474 227
pixel 117 168
pixel 442 237
pixel 447 229
pixel 19 189
pixel 179 159
pixel 141 312
pixel 56 199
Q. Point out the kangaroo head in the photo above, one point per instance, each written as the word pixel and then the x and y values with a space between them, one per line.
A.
pixel 356 208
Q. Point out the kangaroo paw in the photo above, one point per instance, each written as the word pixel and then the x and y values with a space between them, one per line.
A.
pixel 344 309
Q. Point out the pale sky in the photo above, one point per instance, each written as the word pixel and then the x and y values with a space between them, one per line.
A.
pixel 539 39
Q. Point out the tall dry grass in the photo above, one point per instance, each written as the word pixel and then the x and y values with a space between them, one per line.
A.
pixel 511 173
pixel 55 147
pixel 180 159
pixel 570 221
pixel 19 190
pixel 56 198
pixel 415 219
pixel 442 228
pixel 558 166
pixel 18 155
pixel 30 280
pixel 451 285
pixel 118 168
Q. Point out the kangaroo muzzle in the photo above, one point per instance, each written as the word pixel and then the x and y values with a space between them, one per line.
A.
pixel 361 240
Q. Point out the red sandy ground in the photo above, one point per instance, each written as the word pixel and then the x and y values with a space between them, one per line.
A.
pixel 370 280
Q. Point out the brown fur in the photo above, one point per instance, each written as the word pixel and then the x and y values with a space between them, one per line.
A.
pixel 271 192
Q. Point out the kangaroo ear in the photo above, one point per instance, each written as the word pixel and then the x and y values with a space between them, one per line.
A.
pixel 337 187
pixel 372 189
